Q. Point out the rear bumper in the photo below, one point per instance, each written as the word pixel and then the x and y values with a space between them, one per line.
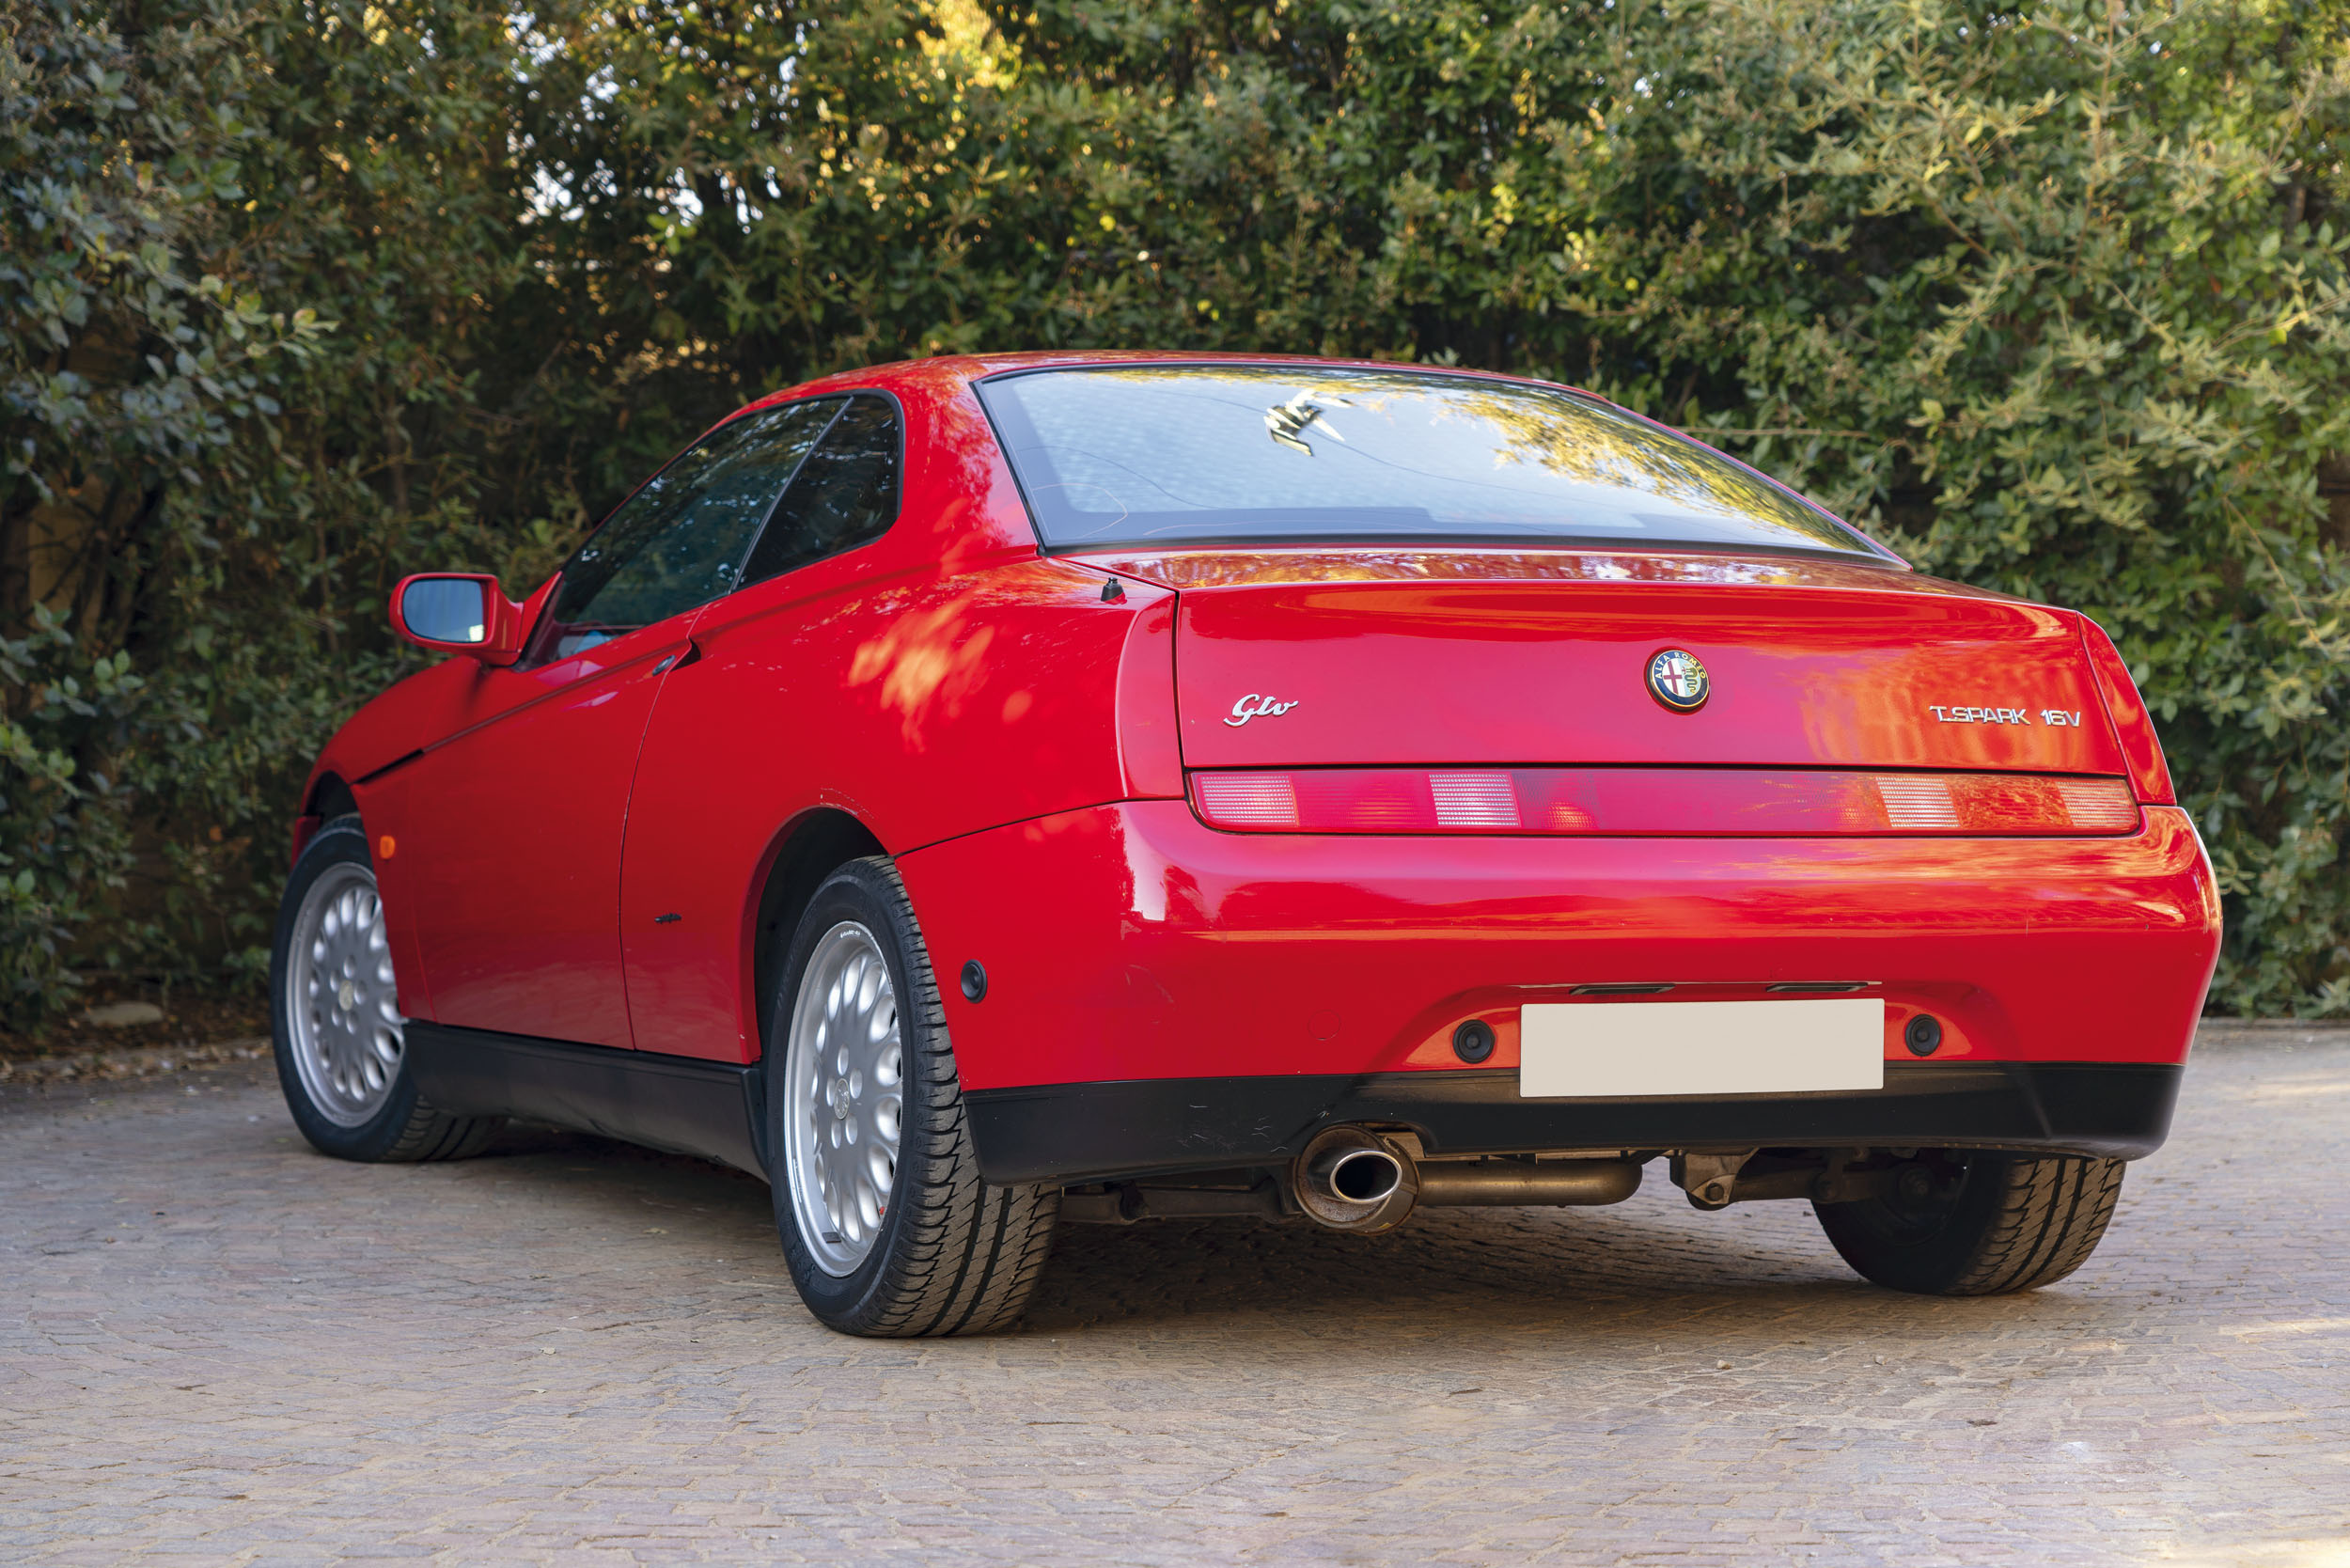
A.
pixel 1129 945
pixel 1091 1132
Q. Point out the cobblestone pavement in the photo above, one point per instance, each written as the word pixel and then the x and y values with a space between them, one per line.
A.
pixel 218 1347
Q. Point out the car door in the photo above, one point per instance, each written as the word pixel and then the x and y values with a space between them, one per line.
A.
pixel 512 839
pixel 728 742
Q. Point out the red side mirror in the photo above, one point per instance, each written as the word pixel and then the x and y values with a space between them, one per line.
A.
pixel 459 612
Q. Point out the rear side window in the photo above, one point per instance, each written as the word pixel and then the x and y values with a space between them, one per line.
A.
pixel 846 493
pixel 1148 453
pixel 680 541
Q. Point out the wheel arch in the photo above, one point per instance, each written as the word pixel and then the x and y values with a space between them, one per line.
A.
pixel 330 797
pixel 809 848
pixel 327 799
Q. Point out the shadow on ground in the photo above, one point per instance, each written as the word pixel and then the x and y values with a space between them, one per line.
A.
pixel 1653 1264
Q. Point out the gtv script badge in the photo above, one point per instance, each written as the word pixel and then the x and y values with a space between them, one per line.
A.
pixel 1254 706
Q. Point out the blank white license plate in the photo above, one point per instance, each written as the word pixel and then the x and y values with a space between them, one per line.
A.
pixel 1589 1049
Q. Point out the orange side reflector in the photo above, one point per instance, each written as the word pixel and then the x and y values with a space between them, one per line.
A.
pixel 384 847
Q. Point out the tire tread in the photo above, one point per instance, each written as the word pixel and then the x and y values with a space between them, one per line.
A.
pixel 968 1254
pixel 431 1133
pixel 2051 1215
pixel 2025 1221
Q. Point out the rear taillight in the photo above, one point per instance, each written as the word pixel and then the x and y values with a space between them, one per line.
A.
pixel 2141 753
pixel 1742 802
pixel 1146 748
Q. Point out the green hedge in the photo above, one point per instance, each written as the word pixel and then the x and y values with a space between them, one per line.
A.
pixel 299 297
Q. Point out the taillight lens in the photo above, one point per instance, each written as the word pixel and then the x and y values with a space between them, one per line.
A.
pixel 1727 801
pixel 2141 753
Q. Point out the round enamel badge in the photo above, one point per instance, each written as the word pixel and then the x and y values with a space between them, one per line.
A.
pixel 1677 680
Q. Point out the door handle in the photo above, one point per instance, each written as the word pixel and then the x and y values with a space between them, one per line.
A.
pixel 679 659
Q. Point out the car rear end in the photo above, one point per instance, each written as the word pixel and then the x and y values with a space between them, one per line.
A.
pixel 1631 808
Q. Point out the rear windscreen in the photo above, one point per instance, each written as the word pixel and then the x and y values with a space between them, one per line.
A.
pixel 1166 454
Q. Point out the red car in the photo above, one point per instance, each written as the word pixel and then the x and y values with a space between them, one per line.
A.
pixel 986 792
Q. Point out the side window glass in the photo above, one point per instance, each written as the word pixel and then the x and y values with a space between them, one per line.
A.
pixel 679 540
pixel 846 493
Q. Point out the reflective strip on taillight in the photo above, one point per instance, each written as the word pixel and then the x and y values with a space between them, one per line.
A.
pixel 1246 799
pixel 2099 805
pixel 1723 802
pixel 1918 803
pixel 1473 799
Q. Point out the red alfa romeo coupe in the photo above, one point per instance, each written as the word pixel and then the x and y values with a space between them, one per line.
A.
pixel 983 793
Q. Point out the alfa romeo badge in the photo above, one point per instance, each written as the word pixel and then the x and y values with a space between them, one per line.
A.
pixel 1677 680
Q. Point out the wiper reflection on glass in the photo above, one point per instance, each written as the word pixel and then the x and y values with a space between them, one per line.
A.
pixel 1287 422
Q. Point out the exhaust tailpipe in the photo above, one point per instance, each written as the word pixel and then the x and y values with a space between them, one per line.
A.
pixel 1357 1175
pixel 1454 1183
pixel 1354 1179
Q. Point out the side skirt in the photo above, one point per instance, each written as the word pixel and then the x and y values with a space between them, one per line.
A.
pixel 684 1105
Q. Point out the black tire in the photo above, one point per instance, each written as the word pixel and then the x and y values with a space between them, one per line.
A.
pixel 404 1128
pixel 1978 1223
pixel 953 1254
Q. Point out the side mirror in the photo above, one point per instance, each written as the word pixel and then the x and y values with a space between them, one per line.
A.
pixel 451 612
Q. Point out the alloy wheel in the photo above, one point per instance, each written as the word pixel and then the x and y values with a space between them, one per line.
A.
pixel 340 1001
pixel 845 1098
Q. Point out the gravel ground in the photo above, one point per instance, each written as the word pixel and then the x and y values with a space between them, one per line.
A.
pixel 221 1348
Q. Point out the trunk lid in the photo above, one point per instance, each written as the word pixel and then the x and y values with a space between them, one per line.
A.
pixel 1339 660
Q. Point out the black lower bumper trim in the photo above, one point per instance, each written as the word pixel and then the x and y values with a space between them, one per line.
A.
pixel 1147 1126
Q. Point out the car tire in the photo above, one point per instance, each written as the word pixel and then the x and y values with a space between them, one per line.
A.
pixel 1992 1224
pixel 339 1039
pixel 886 1224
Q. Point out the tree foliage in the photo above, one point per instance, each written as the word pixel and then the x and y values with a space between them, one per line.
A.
pixel 299 294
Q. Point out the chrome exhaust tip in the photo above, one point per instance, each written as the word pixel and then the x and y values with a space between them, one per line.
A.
pixel 1356 1175
pixel 1353 1179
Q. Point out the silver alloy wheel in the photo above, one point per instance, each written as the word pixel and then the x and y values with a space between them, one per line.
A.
pixel 340 1002
pixel 844 1109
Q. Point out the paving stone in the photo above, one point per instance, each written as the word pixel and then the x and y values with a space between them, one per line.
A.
pixel 219 1348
